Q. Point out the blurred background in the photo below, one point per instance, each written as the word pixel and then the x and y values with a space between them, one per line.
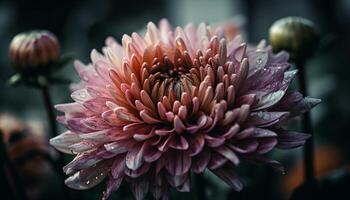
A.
pixel 82 25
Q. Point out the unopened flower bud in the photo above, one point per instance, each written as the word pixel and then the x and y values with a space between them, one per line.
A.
pixel 34 50
pixel 295 35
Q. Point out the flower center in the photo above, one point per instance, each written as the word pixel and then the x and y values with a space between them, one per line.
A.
pixel 173 78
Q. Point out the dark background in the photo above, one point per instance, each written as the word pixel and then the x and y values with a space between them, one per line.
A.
pixel 84 25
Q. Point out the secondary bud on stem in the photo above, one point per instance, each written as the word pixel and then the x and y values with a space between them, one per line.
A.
pixel 34 51
pixel 295 35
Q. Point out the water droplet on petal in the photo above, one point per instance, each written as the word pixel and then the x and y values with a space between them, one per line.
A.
pixel 259 61
pixel 72 151
pixel 266 116
pixel 82 94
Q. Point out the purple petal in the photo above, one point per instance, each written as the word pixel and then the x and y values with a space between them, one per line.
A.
pixel 179 163
pixel 304 105
pixel 176 181
pixel 112 186
pixel 178 142
pixel 214 141
pixel 88 178
pixel 83 160
pixel 231 132
pixel 245 146
pixel 118 166
pixel 266 145
pixel 291 139
pixel 258 159
pixel 139 187
pixel 151 153
pixel 137 173
pixel 185 187
pixel 200 161
pixel 63 141
pixel 134 158
pixel 229 175
pixel 265 119
pixel 216 160
pixel 227 153
pixel 76 183
pixel 288 101
pixel 196 144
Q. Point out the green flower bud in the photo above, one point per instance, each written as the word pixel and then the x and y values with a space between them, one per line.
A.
pixel 295 35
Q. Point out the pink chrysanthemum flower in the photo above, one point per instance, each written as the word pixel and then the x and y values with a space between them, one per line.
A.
pixel 174 102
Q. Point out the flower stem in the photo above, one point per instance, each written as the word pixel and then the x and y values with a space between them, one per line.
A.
pixel 50 112
pixel 307 127
pixel 54 132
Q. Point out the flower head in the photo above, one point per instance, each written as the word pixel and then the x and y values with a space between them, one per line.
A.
pixel 174 102
pixel 33 50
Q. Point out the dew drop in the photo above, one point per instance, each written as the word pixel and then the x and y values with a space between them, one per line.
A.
pixel 259 61
pixel 266 117
pixel 85 78
pixel 82 94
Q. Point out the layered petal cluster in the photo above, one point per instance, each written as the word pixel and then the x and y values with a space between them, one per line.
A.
pixel 177 102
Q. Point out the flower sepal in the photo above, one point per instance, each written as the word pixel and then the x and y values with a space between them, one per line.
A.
pixel 41 78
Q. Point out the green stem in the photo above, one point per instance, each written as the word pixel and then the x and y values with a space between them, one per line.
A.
pixel 307 127
pixel 50 112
